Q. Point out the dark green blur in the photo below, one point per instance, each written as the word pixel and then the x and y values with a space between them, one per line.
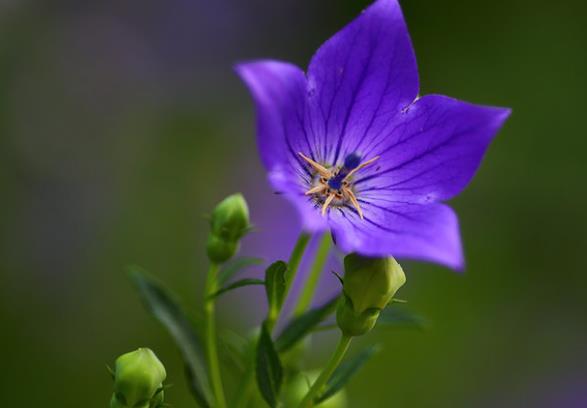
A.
pixel 122 124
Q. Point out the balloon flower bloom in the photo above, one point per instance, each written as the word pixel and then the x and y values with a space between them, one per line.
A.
pixel 358 152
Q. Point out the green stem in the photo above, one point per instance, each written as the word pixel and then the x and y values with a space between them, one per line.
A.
pixel 246 387
pixel 331 365
pixel 294 260
pixel 211 351
pixel 309 288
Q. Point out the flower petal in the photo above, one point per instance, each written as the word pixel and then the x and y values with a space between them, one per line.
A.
pixel 360 79
pixel 432 152
pixel 283 182
pixel 279 91
pixel 404 230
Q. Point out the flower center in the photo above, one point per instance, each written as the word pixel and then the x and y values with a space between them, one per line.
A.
pixel 333 186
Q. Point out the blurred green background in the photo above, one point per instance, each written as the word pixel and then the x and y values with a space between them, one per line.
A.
pixel 122 123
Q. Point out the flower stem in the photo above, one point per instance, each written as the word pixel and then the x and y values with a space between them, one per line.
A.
pixel 295 258
pixel 331 365
pixel 245 388
pixel 317 267
pixel 211 351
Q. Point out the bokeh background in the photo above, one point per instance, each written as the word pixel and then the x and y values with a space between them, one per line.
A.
pixel 122 123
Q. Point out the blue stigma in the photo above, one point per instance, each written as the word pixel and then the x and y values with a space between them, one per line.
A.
pixel 352 161
pixel 335 182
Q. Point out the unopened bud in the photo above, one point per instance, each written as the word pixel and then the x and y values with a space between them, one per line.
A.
pixel 369 284
pixel 219 250
pixel 138 380
pixel 228 224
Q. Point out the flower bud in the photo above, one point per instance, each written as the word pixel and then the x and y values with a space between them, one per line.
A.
pixel 230 218
pixel 369 284
pixel 138 380
pixel 220 251
pixel 228 224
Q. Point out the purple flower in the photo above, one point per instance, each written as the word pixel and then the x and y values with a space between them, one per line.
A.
pixel 355 149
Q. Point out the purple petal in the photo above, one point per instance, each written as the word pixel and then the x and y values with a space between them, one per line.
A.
pixel 359 80
pixel 432 151
pixel 404 230
pixel 283 182
pixel 279 91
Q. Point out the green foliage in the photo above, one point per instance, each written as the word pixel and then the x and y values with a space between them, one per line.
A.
pixel 345 372
pixel 236 285
pixel 297 386
pixel 236 266
pixel 301 326
pixel 402 318
pixel 268 368
pixel 161 304
pixel 275 286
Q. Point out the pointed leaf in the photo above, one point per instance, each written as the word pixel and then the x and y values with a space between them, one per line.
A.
pixel 268 369
pixel 167 311
pixel 401 317
pixel 345 372
pixel 303 325
pixel 236 285
pixel 275 284
pixel 233 349
pixel 237 266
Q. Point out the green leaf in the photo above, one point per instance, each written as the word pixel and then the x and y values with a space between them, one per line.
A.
pixel 401 317
pixel 345 372
pixel 303 325
pixel 236 266
pixel 236 285
pixel 233 348
pixel 167 311
pixel 275 284
pixel 268 368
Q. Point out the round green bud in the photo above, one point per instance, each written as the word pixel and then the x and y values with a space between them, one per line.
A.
pixel 219 250
pixel 297 387
pixel 138 379
pixel 230 218
pixel 228 224
pixel 371 282
pixel 368 286
pixel 352 323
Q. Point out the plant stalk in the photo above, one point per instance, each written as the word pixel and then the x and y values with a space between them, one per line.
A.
pixel 331 365
pixel 246 386
pixel 211 349
pixel 309 288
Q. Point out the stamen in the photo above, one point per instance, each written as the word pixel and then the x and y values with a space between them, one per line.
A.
pixel 327 203
pixel 323 171
pixel 335 183
pixel 318 189
pixel 354 200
